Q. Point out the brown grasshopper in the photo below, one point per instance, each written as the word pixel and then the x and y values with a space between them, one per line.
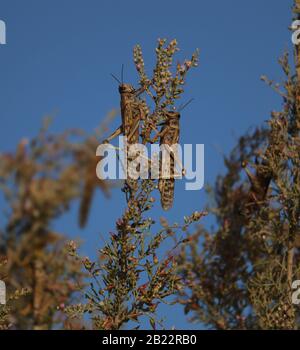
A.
pixel 169 136
pixel 132 112
pixel 260 183
pixel 87 160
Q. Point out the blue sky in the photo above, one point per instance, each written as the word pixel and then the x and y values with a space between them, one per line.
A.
pixel 59 56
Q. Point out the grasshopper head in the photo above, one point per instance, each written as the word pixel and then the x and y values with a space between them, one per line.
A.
pixel 170 118
pixel 172 115
pixel 126 88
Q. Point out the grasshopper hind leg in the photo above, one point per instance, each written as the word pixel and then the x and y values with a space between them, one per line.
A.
pixel 166 189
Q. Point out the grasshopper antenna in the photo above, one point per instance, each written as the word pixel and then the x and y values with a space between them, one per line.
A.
pixel 181 107
pixel 118 80
pixel 122 73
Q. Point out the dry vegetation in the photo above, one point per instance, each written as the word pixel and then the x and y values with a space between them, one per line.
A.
pixel 236 275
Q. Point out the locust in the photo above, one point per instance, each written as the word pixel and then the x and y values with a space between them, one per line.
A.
pixel 169 136
pixel 91 182
pixel 260 182
pixel 132 113
pixel 87 160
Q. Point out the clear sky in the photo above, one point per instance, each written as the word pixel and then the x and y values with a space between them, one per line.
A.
pixel 60 53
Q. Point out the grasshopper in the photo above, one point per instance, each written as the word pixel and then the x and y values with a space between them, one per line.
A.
pixel 88 161
pixel 260 183
pixel 132 112
pixel 169 136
